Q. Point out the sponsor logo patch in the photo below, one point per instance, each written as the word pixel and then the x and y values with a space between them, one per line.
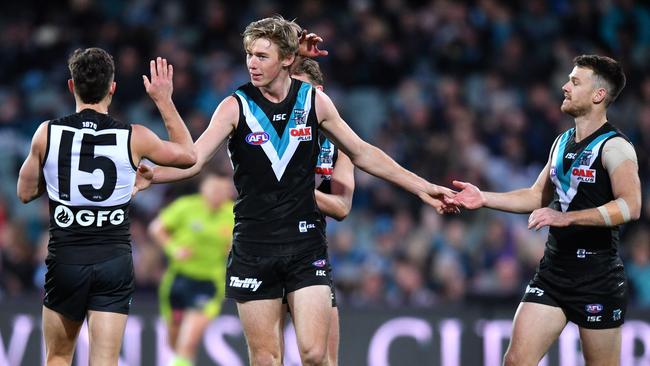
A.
pixel 301 133
pixel 250 283
pixel 616 314
pixel 64 217
pixel 320 263
pixel 323 170
pixel 303 226
pixel 594 308
pixel 585 158
pixel 300 116
pixel 584 175
pixel 535 291
pixel 257 138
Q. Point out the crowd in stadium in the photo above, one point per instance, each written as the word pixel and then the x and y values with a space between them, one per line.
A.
pixel 451 90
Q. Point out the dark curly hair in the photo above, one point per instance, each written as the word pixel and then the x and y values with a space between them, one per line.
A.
pixel 609 74
pixel 92 70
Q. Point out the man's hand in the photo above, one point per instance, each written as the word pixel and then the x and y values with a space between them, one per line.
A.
pixel 143 179
pixel 470 196
pixel 547 217
pixel 308 45
pixel 160 87
pixel 441 198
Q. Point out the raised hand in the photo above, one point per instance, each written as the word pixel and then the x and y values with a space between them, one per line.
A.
pixel 143 178
pixel 308 45
pixel 160 87
pixel 470 196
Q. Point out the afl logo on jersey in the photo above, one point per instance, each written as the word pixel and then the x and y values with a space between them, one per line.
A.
pixel 257 138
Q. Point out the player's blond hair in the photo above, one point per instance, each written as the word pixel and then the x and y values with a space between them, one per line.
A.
pixel 276 29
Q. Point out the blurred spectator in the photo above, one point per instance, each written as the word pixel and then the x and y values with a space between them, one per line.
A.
pixel 465 90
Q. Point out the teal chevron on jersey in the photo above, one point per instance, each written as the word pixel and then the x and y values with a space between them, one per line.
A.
pixel 564 175
pixel 280 144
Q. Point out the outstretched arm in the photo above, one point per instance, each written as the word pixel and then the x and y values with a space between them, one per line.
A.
pixel 374 161
pixel 519 201
pixel 523 200
pixel 338 203
pixel 30 179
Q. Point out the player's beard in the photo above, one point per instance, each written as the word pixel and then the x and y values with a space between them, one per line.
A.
pixel 574 110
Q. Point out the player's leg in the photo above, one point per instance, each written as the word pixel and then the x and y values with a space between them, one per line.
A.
pixel 105 333
pixel 536 326
pixel 601 347
pixel 65 301
pixel 312 313
pixel 283 322
pixel 60 334
pixel 254 282
pixel 333 338
pixel 262 328
pixel 109 302
pixel 310 299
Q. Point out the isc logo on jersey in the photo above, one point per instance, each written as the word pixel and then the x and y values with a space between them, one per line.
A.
pixel 584 175
pixel 301 133
pixel 64 217
pixel 257 138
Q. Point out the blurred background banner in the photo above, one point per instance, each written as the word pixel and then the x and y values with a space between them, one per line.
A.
pixel 466 90
pixel 464 335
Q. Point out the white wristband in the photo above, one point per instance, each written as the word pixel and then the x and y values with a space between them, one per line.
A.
pixel 625 209
pixel 605 215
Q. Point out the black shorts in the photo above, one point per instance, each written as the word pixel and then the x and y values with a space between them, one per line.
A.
pixel 592 291
pixel 188 293
pixel 252 277
pixel 73 289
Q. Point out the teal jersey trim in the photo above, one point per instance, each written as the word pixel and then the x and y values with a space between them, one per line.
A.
pixel 565 177
pixel 279 143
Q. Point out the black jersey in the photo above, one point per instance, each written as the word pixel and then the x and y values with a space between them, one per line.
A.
pixel 274 151
pixel 89 176
pixel 327 156
pixel 581 182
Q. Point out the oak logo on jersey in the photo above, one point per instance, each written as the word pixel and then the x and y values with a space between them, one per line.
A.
pixel 584 175
pixel 64 217
pixel 325 171
pixel 257 138
pixel 301 133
